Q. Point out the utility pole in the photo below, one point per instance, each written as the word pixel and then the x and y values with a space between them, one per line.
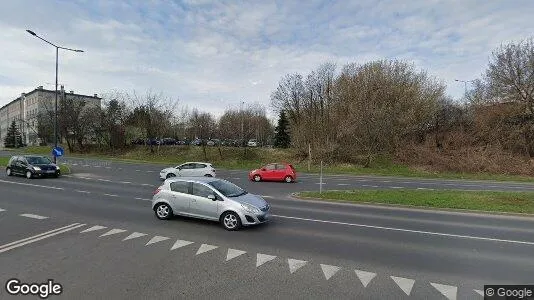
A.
pixel 242 123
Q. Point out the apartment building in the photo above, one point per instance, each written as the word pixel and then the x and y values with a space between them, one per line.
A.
pixel 25 111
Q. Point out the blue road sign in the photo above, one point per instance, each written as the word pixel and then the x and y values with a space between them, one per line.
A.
pixel 58 151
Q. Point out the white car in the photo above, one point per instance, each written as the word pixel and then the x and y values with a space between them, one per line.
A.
pixel 188 169
pixel 252 143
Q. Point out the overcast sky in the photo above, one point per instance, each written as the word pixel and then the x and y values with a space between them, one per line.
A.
pixel 214 54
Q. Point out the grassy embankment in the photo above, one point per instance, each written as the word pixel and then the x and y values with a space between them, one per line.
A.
pixel 64 168
pixel 510 202
pixel 235 158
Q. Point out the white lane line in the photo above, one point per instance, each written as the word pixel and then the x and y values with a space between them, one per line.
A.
pixel 106 180
pixel 79 191
pixel 108 167
pixel 263 258
pixel 146 184
pixel 151 171
pixel 86 165
pixel 396 187
pixel 39 237
pixel 125 182
pixel 144 199
pixel 367 185
pixel 365 277
pixel 236 178
pixel 295 264
pixel 111 195
pixel 74 164
pixel 405 284
pixel 32 216
pixel 34 185
pixel 96 166
pixel 446 290
pixel 411 231
pixel 1 209
pixel 205 248
pixel 233 253
pixel 138 170
pixel 329 270
pixel 342 184
pixel 320 183
pixel 427 189
pixel 266 196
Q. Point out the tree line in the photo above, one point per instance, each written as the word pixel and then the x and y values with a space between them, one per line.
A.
pixel 127 116
pixel 362 111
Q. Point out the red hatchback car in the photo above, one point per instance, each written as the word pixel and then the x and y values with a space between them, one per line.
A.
pixel 274 172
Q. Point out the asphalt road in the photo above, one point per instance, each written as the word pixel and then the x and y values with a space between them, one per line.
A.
pixel 116 249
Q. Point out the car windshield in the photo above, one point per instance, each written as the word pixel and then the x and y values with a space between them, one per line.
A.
pixel 227 189
pixel 38 160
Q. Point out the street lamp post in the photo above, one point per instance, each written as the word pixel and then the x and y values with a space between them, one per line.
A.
pixel 465 83
pixel 57 57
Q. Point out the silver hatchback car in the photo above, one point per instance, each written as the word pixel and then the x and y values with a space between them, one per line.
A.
pixel 211 199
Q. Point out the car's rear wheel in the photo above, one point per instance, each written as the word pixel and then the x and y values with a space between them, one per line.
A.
pixel 170 175
pixel 257 178
pixel 208 175
pixel 230 221
pixel 29 175
pixel 288 179
pixel 163 211
pixel 8 172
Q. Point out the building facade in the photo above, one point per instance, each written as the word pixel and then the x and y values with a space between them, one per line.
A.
pixel 26 109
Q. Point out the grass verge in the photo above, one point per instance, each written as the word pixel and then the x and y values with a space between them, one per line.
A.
pixel 64 168
pixel 509 202
pixel 237 159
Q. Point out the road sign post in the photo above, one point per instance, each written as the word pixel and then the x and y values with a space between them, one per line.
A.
pixel 321 179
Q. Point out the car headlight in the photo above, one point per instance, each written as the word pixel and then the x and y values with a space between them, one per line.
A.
pixel 36 169
pixel 251 209
pixel 57 168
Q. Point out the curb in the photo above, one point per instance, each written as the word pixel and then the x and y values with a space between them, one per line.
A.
pixel 425 208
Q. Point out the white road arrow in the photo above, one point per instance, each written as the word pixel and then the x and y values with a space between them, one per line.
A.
pixel 404 283
pixel 180 243
pixel 113 231
pixel 233 253
pixel 295 264
pixel 134 236
pixel 448 291
pixel 156 239
pixel 263 258
pixel 481 293
pixel 205 248
pixel 94 228
pixel 329 270
pixel 365 277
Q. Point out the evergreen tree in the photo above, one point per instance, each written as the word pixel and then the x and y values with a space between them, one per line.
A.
pixel 13 137
pixel 281 138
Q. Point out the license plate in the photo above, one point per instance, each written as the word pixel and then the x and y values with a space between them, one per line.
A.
pixel 50 171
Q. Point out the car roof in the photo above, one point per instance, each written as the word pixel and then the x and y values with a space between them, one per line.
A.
pixel 194 179
pixel 195 162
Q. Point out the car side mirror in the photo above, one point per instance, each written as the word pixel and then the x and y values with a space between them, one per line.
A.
pixel 212 197
pixel 263 169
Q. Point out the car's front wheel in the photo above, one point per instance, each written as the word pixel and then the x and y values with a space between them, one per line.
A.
pixel 257 178
pixel 8 172
pixel 230 221
pixel 170 175
pixel 163 211
pixel 29 174
pixel 208 175
pixel 288 179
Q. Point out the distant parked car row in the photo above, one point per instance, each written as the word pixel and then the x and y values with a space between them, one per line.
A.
pixel 198 142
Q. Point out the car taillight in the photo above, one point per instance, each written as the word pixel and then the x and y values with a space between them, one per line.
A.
pixel 156 191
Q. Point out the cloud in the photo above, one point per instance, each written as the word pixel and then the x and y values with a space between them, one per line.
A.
pixel 215 54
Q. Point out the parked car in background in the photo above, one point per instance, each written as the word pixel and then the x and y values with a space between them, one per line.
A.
pixel 196 142
pixel 274 172
pixel 189 169
pixel 252 143
pixel 32 166
pixel 211 199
